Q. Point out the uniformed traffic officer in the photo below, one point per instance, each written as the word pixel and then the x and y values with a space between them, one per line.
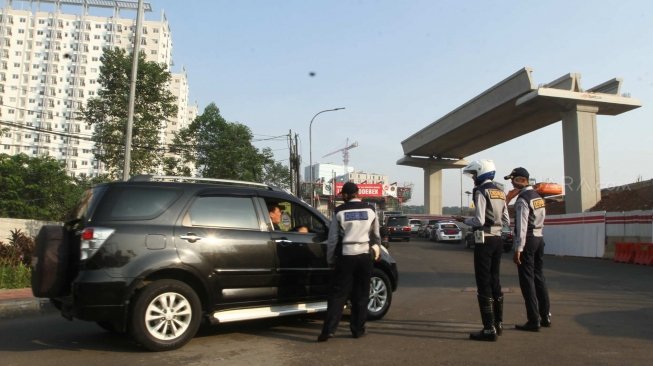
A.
pixel 490 215
pixel 529 251
pixel 356 227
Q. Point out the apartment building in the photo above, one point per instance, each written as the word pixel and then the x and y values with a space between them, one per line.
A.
pixel 49 66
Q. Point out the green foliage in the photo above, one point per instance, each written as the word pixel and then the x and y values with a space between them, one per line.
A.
pixel 275 173
pixel 38 188
pixel 108 112
pixel 34 188
pixel 15 259
pixel 221 149
pixel 14 276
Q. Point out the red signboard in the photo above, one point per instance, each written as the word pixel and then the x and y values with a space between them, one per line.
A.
pixel 364 190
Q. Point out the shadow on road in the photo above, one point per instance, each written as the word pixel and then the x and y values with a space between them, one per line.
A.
pixel 636 323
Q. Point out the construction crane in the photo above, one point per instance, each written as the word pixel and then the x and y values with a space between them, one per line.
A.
pixel 345 153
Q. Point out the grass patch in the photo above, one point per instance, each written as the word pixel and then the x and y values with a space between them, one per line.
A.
pixel 14 276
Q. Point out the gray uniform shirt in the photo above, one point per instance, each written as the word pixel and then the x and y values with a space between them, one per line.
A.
pixel 498 207
pixel 525 225
pixel 358 224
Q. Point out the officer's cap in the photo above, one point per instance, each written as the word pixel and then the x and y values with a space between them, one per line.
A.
pixel 517 172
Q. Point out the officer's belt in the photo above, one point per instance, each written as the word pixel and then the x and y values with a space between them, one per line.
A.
pixel 355 243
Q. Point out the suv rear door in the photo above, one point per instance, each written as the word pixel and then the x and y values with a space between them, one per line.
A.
pixel 224 236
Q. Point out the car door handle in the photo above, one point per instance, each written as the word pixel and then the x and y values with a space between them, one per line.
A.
pixel 283 241
pixel 190 237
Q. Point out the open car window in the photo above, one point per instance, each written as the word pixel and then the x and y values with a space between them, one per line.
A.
pixel 297 218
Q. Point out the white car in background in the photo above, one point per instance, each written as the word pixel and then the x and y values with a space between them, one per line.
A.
pixel 415 225
pixel 446 231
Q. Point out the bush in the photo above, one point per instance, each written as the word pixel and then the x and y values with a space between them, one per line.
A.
pixel 15 260
pixel 14 276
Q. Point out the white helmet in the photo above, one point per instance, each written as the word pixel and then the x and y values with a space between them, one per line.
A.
pixel 480 170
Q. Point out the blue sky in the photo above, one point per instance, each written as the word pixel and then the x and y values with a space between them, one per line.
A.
pixel 397 66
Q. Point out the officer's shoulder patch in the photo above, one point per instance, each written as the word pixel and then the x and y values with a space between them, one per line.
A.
pixel 496 194
pixel 538 203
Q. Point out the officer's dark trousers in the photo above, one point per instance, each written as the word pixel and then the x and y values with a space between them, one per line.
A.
pixel 487 263
pixel 531 279
pixel 351 277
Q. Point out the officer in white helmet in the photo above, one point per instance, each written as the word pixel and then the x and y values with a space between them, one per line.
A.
pixel 491 214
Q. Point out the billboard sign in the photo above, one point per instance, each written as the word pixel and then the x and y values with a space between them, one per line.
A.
pixel 364 189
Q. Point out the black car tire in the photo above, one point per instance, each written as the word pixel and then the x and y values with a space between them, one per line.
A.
pixel 380 295
pixel 158 309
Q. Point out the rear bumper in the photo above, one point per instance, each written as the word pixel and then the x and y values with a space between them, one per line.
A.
pixel 97 297
pixel 457 237
pixel 399 235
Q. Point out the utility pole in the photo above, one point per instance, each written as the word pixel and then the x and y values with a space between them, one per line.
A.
pixel 132 91
pixel 298 164
pixel 294 163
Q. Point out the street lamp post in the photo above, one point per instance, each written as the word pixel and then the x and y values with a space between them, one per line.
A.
pixel 467 193
pixel 310 150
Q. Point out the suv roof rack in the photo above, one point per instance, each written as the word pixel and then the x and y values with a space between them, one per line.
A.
pixel 172 178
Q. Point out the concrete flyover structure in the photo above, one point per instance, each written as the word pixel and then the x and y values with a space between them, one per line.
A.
pixel 509 109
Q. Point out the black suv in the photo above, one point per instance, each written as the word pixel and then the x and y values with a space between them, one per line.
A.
pixel 154 256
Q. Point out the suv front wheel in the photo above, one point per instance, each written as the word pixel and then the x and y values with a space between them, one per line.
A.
pixel 166 315
pixel 380 295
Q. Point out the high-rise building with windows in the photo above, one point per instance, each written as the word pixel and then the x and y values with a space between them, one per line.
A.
pixel 49 66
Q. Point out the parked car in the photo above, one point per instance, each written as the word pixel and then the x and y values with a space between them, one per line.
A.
pixel 415 225
pixel 469 239
pixel 397 228
pixel 507 238
pixel 446 231
pixel 154 256
pixel 427 227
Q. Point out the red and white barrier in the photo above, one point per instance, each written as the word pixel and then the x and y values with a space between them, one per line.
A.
pixel 581 235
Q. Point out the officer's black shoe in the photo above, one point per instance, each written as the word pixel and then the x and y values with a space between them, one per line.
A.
pixel 489 335
pixel 546 322
pixel 499 328
pixel 529 327
pixel 324 337
pixel 359 334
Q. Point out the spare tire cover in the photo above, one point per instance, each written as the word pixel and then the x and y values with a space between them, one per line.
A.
pixel 50 261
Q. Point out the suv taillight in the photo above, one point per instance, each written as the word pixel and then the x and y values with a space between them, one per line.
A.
pixel 92 239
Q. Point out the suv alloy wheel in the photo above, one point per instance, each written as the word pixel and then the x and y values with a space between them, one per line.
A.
pixel 166 315
pixel 380 295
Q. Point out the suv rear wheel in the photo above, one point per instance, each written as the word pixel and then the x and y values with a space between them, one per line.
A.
pixel 166 315
pixel 380 295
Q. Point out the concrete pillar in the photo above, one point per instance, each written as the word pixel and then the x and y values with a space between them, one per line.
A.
pixel 433 190
pixel 580 144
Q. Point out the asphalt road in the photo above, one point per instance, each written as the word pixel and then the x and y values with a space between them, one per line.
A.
pixel 602 315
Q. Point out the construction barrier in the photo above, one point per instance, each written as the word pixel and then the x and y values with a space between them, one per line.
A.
pixel 625 252
pixel 644 254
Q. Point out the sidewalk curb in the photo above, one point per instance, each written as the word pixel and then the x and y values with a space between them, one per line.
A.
pixel 19 308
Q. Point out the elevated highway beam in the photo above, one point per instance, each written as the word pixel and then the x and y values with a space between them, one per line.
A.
pixel 514 107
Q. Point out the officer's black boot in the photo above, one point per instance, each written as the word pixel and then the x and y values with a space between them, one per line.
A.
pixel 498 314
pixel 488 333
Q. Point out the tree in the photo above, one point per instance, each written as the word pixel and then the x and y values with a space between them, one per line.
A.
pixel 275 173
pixel 36 188
pixel 220 149
pixel 108 112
